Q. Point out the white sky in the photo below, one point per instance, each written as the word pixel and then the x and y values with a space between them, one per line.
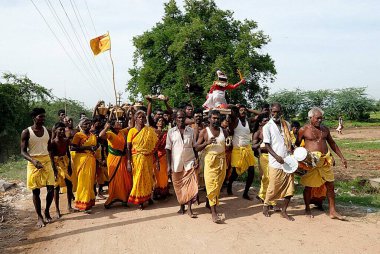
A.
pixel 324 44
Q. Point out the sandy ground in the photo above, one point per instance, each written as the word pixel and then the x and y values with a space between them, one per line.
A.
pixel 159 229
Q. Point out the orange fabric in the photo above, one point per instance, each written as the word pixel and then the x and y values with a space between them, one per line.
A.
pixel 319 192
pixel 121 184
pixel 161 175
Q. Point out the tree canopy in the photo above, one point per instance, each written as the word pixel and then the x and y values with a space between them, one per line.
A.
pixel 188 47
pixel 18 95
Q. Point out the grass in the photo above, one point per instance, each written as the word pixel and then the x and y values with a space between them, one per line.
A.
pixel 373 121
pixel 13 169
pixel 349 144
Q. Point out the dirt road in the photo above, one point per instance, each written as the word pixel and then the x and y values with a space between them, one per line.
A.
pixel 159 229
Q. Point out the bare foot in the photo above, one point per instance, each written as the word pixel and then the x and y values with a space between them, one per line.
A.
pixel 40 223
pixel 89 211
pixel 276 208
pixel 259 199
pixel 141 207
pixel 247 197
pixel 337 216
pixel 58 214
pixel 266 211
pixel 308 213
pixel 182 210
pixel 216 219
pixel 70 209
pixel 191 214
pixel 48 218
pixel 286 216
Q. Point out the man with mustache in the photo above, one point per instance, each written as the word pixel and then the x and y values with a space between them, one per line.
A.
pixel 277 139
pixel 213 141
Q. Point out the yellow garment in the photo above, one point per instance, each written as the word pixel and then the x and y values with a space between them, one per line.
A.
pixel 38 178
pixel 214 172
pixel 280 185
pixel 294 138
pixel 143 144
pixel 100 44
pixel 74 174
pixel 242 158
pixel 264 167
pixel 62 165
pixel 321 173
pixel 85 165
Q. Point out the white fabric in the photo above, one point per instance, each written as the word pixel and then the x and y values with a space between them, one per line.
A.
pixel 242 135
pixel 215 99
pixel 273 136
pixel 182 152
pixel 220 146
pixel 38 146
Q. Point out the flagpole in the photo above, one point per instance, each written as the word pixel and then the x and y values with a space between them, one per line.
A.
pixel 113 81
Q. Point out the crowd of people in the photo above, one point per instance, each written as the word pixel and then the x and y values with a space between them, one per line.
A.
pixel 137 152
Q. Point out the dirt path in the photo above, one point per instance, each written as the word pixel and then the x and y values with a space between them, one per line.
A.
pixel 159 229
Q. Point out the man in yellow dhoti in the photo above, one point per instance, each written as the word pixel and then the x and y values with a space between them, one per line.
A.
pixel 277 140
pixel 242 158
pixel 35 148
pixel 62 165
pixel 85 144
pixel 141 142
pixel 316 137
pixel 213 141
pixel 183 163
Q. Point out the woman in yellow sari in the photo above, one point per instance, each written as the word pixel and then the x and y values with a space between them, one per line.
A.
pixel 85 144
pixel 141 142
pixel 120 181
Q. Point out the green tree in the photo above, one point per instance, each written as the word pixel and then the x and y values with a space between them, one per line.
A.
pixel 291 101
pixel 188 47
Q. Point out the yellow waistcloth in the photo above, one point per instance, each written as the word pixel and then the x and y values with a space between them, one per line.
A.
pixel 62 165
pixel 38 178
pixel 264 167
pixel 214 172
pixel 85 165
pixel 280 185
pixel 143 144
pixel 322 173
pixel 242 158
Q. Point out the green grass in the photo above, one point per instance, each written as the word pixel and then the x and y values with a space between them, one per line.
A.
pixel 349 144
pixel 373 121
pixel 13 169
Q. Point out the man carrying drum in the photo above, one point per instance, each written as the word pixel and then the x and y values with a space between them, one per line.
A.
pixel 316 138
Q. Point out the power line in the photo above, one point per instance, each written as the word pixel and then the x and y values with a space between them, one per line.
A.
pixel 75 51
pixel 59 41
pixel 80 44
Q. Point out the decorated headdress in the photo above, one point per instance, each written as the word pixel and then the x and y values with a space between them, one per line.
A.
pixel 222 79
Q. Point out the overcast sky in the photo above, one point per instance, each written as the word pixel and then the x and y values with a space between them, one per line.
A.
pixel 315 44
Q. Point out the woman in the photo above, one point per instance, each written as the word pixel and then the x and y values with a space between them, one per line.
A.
pixel 141 142
pixel 160 171
pixel 120 180
pixel 85 144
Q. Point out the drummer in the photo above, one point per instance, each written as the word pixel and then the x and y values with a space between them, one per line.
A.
pixel 277 139
pixel 316 137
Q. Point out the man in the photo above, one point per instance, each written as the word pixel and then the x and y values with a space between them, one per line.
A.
pixel 61 119
pixel 316 137
pixel 213 141
pixel 277 140
pixel 35 148
pixel 189 114
pixel 62 165
pixel 242 158
pixel 295 127
pixel 182 163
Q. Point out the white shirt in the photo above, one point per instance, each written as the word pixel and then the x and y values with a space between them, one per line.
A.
pixel 273 136
pixel 182 151
pixel 242 135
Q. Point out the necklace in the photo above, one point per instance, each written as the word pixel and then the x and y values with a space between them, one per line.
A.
pixel 319 135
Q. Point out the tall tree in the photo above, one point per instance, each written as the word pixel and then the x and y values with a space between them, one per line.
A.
pixel 188 47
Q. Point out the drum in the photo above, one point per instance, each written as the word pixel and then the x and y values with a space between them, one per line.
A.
pixel 291 164
pixel 306 160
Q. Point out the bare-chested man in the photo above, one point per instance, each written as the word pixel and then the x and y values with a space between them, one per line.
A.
pixel 316 137
pixel 62 165
pixel 35 148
